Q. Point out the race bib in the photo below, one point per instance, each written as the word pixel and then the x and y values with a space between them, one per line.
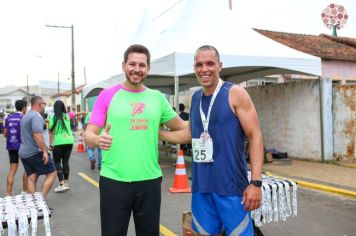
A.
pixel 202 148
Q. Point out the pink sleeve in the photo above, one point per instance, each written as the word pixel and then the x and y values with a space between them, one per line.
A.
pixel 99 113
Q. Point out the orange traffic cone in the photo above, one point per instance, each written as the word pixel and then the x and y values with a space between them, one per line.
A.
pixel 80 147
pixel 180 184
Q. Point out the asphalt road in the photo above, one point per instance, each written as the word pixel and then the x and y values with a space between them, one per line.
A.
pixel 76 212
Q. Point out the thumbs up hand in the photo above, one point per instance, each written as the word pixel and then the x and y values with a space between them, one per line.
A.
pixel 105 138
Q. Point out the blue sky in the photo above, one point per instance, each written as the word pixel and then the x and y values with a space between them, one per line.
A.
pixel 103 29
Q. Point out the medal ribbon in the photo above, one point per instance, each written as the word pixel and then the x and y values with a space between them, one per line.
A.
pixel 206 119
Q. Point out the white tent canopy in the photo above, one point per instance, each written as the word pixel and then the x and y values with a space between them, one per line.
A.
pixel 245 54
pixel 242 68
pixel 93 89
pixel 146 33
pixel 235 68
pixel 176 69
pixel 210 22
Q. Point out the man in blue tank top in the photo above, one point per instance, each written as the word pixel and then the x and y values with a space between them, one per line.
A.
pixel 222 116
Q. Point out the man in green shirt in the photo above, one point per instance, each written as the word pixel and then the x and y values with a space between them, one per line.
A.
pixel 125 122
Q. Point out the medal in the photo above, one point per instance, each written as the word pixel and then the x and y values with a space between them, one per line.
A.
pixel 203 146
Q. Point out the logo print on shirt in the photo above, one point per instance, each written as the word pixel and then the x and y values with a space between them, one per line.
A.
pixel 138 124
pixel 137 108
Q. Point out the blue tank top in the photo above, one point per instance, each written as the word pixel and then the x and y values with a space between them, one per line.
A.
pixel 12 124
pixel 227 175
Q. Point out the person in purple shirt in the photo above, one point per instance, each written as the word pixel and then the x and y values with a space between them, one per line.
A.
pixel 13 141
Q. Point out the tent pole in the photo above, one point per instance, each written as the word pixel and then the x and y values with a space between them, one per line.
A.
pixel 176 99
pixel 176 92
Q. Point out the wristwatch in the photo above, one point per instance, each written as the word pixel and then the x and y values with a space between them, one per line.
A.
pixel 256 183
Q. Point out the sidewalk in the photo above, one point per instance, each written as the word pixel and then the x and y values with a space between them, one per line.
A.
pixel 336 177
pixel 339 177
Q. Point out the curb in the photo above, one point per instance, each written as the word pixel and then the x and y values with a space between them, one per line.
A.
pixel 321 187
pixel 349 165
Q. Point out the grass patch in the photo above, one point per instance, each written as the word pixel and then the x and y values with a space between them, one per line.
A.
pixel 331 162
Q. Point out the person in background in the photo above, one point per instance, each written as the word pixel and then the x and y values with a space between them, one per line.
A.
pixel 72 119
pixel 13 142
pixel 45 131
pixel 2 121
pixel 185 116
pixel 62 139
pixel 91 151
pixel 222 116
pixel 82 119
pixel 125 122
pixel 33 150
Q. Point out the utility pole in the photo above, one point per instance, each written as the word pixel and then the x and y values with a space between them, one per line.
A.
pixel 73 73
pixel 58 85
pixel 28 89
pixel 85 76
pixel 85 100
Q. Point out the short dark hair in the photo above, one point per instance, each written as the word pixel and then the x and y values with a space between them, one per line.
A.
pixel 181 107
pixel 20 104
pixel 35 99
pixel 138 48
pixel 207 47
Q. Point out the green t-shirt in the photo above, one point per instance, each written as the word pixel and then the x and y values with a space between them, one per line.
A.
pixel 135 118
pixel 60 135
pixel 86 119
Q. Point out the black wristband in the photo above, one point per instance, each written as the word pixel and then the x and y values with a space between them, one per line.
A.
pixel 256 183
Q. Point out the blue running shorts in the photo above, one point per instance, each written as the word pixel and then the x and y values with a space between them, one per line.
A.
pixel 212 213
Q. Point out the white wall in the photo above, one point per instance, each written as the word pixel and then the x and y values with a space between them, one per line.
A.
pixel 289 116
pixel 344 113
pixel 78 101
pixel 339 70
pixel 10 99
